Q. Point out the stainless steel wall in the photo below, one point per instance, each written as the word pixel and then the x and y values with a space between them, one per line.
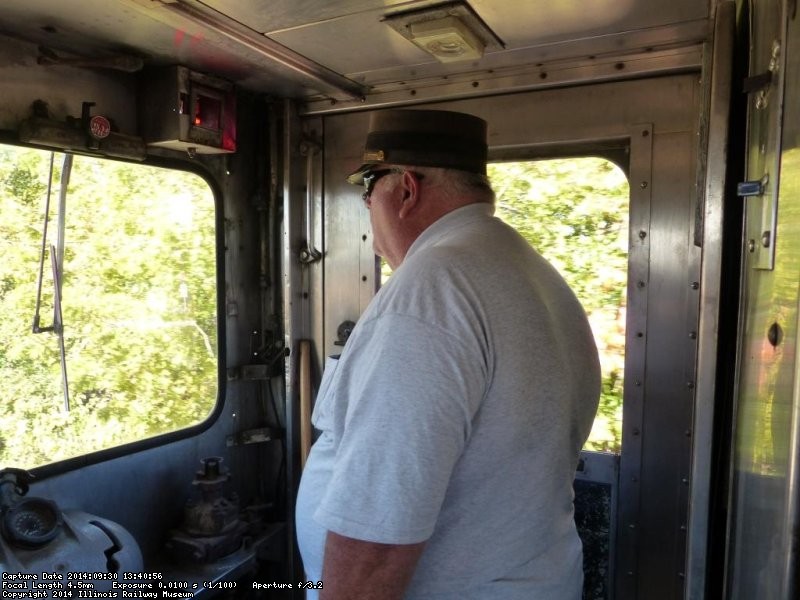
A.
pixel 764 520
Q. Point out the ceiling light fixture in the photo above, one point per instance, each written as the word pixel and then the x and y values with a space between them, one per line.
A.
pixel 449 32
pixel 447 39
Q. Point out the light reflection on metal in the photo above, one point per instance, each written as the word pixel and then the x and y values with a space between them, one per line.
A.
pixel 232 29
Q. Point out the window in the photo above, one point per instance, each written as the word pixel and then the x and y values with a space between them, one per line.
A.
pixel 575 213
pixel 137 353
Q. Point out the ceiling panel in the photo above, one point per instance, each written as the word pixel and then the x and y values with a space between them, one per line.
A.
pixel 346 36
pixel 106 27
pixel 368 50
pixel 278 15
pixel 536 22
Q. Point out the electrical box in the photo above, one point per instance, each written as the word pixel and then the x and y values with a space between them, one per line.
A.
pixel 188 111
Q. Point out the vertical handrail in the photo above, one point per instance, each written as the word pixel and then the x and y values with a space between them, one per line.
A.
pixel 309 254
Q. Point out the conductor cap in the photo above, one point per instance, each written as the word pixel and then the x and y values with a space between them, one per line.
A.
pixel 424 138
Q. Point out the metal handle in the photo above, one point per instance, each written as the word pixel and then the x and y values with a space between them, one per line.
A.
pixel 309 254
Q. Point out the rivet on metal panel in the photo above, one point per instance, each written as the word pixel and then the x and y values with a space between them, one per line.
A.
pixel 692 335
pixel 640 284
pixel 637 383
pixel 643 185
pixel 681 575
pixel 363 278
pixel 635 431
pixel 685 481
pixel 751 246
pixel 690 385
pixel 645 132
pixel 766 239
pixel 642 235
pixel 639 334
pixel 683 527
pixel 688 433
pixel 631 525
pixel 694 285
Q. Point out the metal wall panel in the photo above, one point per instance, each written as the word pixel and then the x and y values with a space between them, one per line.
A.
pixel 763 526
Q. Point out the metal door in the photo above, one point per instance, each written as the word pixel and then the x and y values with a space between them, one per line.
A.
pixel 653 125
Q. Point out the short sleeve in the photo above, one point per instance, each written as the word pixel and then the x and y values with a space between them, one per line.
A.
pixel 412 391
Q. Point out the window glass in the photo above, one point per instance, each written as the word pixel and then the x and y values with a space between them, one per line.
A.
pixel 137 303
pixel 575 213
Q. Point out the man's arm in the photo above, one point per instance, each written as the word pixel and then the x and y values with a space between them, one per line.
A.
pixel 355 569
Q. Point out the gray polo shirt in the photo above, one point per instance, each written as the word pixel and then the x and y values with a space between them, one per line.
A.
pixel 456 415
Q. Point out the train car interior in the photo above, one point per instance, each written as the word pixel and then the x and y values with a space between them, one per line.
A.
pixel 181 251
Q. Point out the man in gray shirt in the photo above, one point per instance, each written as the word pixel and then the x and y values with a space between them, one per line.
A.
pixel 452 423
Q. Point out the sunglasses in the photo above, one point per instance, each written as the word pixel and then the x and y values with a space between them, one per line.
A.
pixel 371 178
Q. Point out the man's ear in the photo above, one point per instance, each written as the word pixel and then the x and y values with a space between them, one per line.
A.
pixel 410 188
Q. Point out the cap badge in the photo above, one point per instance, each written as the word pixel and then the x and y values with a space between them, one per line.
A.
pixel 374 155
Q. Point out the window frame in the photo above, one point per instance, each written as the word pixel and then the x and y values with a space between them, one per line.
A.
pixel 59 467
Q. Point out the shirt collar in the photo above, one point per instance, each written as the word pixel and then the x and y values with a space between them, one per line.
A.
pixel 453 220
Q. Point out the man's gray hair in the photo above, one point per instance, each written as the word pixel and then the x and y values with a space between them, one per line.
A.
pixel 461 184
pixel 473 185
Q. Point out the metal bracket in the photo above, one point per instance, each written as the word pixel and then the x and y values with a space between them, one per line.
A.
pixel 745 189
pixel 765 131
pixel 343 332
pixel 257 372
pixel 756 82
pixel 254 436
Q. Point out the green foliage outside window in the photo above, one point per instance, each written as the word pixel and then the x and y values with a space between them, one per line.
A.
pixel 575 213
pixel 138 303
